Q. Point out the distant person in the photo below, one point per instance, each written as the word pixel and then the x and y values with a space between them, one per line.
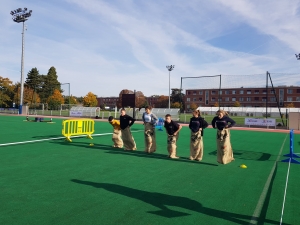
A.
pixel 222 123
pixel 149 120
pixel 172 129
pixel 197 125
pixel 116 137
pixel 126 122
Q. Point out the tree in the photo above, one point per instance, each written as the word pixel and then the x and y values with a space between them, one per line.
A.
pixel 72 100
pixel 6 92
pixel 178 96
pixel 55 100
pixel 49 84
pixel 162 102
pixel 124 91
pixel 289 105
pixel 216 104
pixel 193 106
pixel 90 100
pixel 175 105
pixel 140 100
pixel 34 82
pixel 237 104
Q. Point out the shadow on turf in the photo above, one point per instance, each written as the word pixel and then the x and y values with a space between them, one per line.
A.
pixel 161 201
pixel 248 155
pixel 137 153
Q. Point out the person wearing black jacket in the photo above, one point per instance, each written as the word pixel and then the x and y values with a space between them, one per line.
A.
pixel 222 123
pixel 197 125
pixel 126 122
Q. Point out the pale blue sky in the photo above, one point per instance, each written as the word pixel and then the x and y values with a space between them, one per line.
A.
pixel 106 46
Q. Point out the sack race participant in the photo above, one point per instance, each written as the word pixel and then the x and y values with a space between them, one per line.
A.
pixel 149 120
pixel 116 137
pixel 172 129
pixel 126 122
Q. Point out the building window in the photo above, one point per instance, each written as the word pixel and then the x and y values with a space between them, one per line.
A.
pixel 241 99
pixel 264 99
pixel 256 98
pixel 200 92
pixel 241 92
pixel 213 92
pixel 256 92
pixel 248 92
pixel 233 99
pixel 233 92
pixel 298 90
pixel 226 99
pixel 194 92
pixel 220 92
pixel 298 99
pixel 272 99
pixel 188 106
pixel 248 99
pixel 213 99
pixel 289 99
pixel 194 99
pixel 272 91
pixel 290 91
pixel 220 99
pixel 188 99
pixel 200 99
pixel 226 92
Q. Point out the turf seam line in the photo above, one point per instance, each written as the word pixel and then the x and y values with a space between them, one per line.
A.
pixel 57 138
pixel 286 183
pixel 263 195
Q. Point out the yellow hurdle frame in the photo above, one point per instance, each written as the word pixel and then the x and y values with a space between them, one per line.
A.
pixel 78 127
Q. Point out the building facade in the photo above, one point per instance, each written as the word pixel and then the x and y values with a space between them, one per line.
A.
pixel 244 97
pixel 111 102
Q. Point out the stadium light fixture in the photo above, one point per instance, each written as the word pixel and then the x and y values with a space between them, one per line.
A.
pixel 298 56
pixel 170 68
pixel 20 16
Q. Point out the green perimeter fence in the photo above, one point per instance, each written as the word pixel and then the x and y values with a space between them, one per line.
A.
pixel 183 117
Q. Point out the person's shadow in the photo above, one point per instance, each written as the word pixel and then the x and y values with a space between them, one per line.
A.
pixel 161 201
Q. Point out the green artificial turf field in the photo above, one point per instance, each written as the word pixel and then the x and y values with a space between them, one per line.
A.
pixel 46 180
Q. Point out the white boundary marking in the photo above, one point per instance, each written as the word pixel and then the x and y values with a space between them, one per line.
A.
pixel 263 195
pixel 57 138
pixel 286 183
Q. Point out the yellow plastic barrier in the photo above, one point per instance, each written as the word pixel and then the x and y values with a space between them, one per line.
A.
pixel 77 127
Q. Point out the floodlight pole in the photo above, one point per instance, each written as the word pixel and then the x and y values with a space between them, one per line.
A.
pixel 170 68
pixel 21 15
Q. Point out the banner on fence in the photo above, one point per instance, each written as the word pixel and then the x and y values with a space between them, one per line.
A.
pixel 76 113
pixel 260 122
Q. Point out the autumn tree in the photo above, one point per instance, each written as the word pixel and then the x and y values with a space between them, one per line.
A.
pixel 55 100
pixel 6 92
pixel 90 100
pixel 193 106
pixel 289 105
pixel 175 105
pixel 140 100
pixel 71 98
pixel 216 104
pixel 162 102
pixel 237 104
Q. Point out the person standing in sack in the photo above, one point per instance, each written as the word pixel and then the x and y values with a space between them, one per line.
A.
pixel 222 123
pixel 172 129
pixel 149 120
pixel 197 125
pixel 126 122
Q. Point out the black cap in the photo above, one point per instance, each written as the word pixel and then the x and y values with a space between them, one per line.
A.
pixel 110 118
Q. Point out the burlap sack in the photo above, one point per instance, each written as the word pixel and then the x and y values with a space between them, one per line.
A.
pixel 171 139
pixel 129 143
pixel 224 149
pixel 116 138
pixel 150 139
pixel 196 146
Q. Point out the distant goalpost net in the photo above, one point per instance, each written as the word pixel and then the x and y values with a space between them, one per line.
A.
pixel 244 90
pixel 198 86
